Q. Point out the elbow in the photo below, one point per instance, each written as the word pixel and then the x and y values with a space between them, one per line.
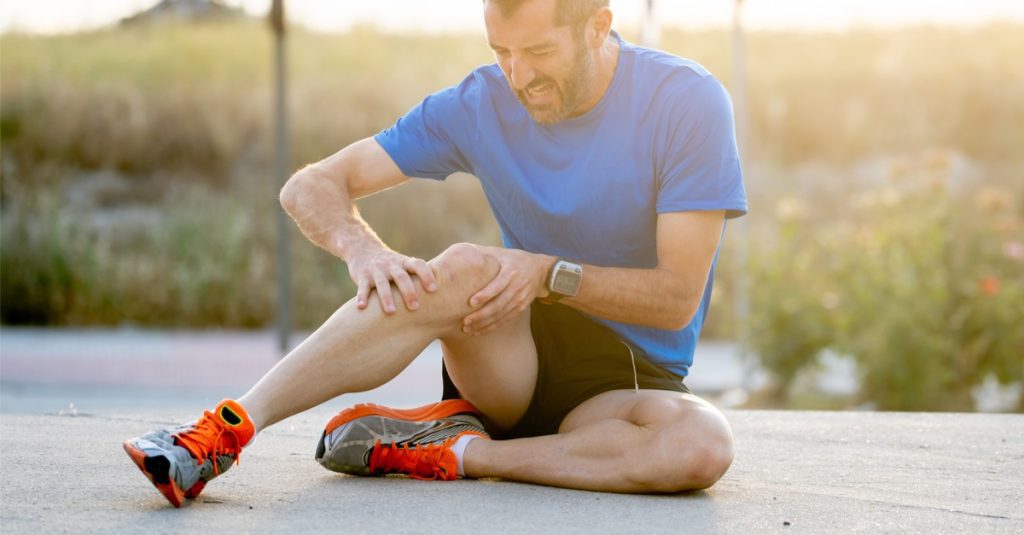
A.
pixel 680 315
pixel 289 195
pixel 291 192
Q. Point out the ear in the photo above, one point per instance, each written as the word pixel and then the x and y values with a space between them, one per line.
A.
pixel 598 27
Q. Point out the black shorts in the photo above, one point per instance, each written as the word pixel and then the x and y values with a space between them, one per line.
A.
pixel 578 359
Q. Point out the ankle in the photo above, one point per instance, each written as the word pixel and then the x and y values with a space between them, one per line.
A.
pixel 255 413
pixel 239 420
pixel 461 446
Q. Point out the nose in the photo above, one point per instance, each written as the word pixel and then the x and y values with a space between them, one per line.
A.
pixel 520 73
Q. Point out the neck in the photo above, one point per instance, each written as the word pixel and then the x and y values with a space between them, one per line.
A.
pixel 606 59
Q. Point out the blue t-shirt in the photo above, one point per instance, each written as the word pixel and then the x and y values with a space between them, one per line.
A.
pixel 589 188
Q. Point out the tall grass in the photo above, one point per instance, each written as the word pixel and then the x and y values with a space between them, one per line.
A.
pixel 135 182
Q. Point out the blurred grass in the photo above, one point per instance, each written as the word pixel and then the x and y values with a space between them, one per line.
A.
pixel 135 181
pixel 145 99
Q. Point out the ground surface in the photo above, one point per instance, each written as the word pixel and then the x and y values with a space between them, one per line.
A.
pixel 69 398
pixel 815 471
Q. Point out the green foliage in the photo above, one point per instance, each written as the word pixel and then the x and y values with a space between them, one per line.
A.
pixel 196 100
pixel 43 271
pixel 919 279
pixel 198 258
pixel 840 96
pixel 136 187
pixel 180 117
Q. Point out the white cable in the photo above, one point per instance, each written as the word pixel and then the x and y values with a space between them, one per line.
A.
pixel 632 359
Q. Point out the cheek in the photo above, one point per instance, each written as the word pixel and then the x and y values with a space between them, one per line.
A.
pixel 505 67
pixel 556 69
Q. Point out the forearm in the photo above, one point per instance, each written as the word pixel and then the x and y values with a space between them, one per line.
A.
pixel 655 297
pixel 326 215
pixel 664 297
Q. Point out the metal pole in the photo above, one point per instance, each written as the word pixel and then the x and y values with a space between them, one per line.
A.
pixel 742 227
pixel 281 167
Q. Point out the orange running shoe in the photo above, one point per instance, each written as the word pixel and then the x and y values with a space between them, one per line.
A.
pixel 371 440
pixel 179 461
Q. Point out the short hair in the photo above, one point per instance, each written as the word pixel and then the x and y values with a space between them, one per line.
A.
pixel 566 11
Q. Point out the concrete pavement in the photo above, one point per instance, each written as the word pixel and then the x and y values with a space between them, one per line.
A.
pixel 62 467
pixel 801 472
pixel 48 369
pixel 114 357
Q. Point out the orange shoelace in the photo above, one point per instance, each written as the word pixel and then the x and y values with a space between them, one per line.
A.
pixel 431 461
pixel 204 441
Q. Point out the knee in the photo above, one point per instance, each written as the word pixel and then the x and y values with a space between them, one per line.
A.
pixel 464 263
pixel 703 464
pixel 690 453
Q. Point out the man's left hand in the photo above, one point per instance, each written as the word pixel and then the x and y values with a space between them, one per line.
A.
pixel 520 279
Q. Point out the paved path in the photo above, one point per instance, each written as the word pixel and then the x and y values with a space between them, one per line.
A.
pixel 62 467
pixel 794 472
pixel 46 369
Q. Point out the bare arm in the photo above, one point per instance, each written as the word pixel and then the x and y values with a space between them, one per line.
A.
pixel 320 199
pixel 664 297
pixel 667 296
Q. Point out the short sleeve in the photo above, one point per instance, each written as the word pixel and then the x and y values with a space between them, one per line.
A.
pixel 425 142
pixel 700 166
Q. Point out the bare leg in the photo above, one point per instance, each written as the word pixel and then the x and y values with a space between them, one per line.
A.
pixel 619 441
pixel 496 372
pixel 357 350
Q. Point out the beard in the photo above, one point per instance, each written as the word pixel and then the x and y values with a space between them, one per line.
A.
pixel 569 91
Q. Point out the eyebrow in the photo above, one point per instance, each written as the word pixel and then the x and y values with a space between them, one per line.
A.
pixel 531 48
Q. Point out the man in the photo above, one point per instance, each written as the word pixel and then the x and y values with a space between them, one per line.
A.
pixel 610 169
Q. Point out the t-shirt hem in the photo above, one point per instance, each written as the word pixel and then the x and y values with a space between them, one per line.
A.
pixel 732 210
pixel 393 151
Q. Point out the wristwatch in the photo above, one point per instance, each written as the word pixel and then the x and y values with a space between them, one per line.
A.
pixel 564 280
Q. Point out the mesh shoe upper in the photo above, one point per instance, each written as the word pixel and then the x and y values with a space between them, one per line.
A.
pixel 180 460
pixel 374 440
pixel 219 435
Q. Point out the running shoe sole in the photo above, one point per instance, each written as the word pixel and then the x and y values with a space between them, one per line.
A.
pixel 157 469
pixel 426 413
pixel 348 439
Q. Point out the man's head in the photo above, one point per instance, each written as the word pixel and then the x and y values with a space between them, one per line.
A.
pixel 548 50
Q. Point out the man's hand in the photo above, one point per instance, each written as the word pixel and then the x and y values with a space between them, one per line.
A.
pixel 377 267
pixel 519 281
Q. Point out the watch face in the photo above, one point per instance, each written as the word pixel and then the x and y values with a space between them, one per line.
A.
pixel 567 280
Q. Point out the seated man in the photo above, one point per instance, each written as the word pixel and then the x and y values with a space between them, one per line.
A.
pixel 610 169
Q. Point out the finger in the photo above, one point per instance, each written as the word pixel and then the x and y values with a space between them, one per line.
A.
pixel 514 307
pixel 494 326
pixel 406 288
pixel 362 292
pixel 423 271
pixel 481 317
pixel 496 322
pixel 489 309
pixel 506 313
pixel 491 312
pixel 493 288
pixel 387 302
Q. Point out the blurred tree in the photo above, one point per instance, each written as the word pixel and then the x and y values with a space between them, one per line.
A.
pixel 923 288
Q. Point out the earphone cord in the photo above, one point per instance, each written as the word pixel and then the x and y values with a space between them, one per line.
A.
pixel 632 359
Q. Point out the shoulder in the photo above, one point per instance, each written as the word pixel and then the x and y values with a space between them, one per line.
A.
pixel 480 86
pixel 675 82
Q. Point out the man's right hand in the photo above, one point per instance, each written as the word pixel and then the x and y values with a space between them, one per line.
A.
pixel 320 199
pixel 377 268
